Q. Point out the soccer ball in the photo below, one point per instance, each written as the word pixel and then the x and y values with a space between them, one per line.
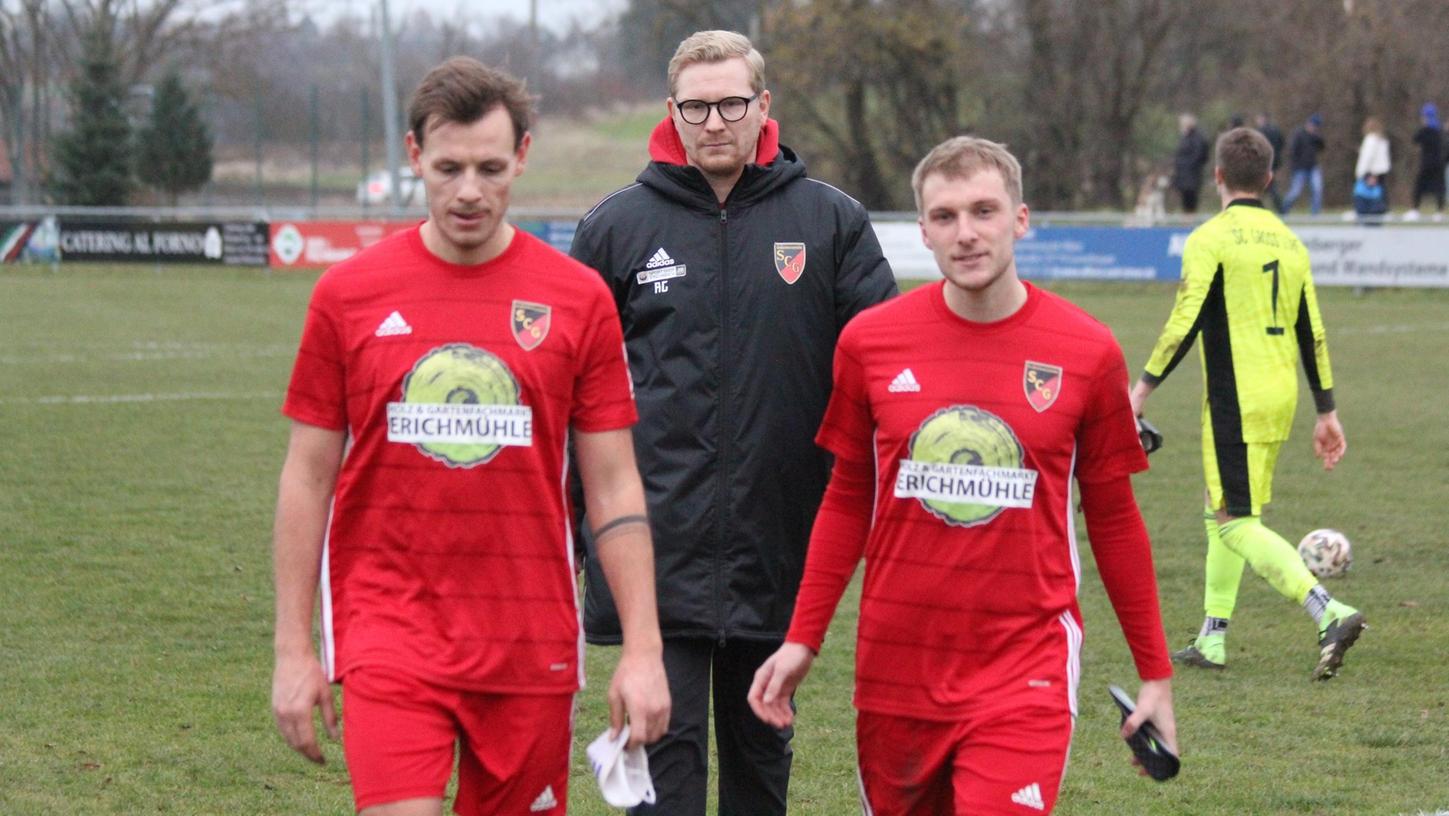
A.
pixel 1326 552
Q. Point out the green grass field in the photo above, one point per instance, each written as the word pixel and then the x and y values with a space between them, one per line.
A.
pixel 139 449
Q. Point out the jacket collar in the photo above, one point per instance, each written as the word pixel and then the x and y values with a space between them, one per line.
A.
pixel 665 146
pixel 670 174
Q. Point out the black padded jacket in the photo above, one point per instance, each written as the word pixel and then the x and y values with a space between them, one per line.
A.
pixel 730 317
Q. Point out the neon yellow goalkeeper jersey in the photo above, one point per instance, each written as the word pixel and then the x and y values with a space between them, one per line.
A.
pixel 1248 291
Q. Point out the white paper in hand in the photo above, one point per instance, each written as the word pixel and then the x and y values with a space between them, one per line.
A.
pixel 623 774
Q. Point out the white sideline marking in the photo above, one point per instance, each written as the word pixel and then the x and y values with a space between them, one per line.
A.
pixel 116 399
pixel 1396 328
pixel 151 351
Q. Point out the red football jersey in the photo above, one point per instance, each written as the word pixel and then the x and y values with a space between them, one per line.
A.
pixel 976 431
pixel 449 553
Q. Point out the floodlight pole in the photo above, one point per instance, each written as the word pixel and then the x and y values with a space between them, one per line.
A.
pixel 389 110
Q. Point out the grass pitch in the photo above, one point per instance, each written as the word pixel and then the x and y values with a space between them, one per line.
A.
pixel 141 445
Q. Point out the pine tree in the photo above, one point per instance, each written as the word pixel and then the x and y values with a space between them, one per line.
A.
pixel 174 147
pixel 92 160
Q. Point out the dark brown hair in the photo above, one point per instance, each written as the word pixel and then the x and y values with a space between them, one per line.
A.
pixel 464 90
pixel 1245 158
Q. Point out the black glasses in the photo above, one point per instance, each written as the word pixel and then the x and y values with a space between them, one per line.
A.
pixel 731 108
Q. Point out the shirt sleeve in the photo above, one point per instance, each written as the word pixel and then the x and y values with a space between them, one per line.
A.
pixel 1107 442
pixel 1199 270
pixel 317 392
pixel 1313 348
pixel 836 544
pixel 603 391
pixel 848 426
pixel 1124 559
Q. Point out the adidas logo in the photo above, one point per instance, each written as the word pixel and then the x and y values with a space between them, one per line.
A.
pixel 658 259
pixel 1030 796
pixel 545 801
pixel 393 325
pixel 904 382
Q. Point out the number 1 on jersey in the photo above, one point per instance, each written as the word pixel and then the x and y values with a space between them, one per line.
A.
pixel 1272 266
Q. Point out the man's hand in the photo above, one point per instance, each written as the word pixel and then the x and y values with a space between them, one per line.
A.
pixel 1154 702
pixel 1138 397
pixel 640 693
pixel 775 683
pixel 1329 444
pixel 298 686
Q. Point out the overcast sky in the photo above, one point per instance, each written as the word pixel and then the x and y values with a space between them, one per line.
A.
pixel 555 14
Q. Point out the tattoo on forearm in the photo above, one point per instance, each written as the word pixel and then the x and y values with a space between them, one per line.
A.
pixel 619 525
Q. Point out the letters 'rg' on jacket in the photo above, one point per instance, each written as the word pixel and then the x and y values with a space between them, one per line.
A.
pixel 730 316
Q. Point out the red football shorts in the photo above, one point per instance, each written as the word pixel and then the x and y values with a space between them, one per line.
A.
pixel 1005 762
pixel 399 735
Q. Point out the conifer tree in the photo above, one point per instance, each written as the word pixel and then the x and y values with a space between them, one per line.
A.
pixel 92 160
pixel 174 147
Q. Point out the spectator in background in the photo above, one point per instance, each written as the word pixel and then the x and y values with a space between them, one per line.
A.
pixel 1303 150
pixel 1369 201
pixel 1373 152
pixel 1431 178
pixel 1274 135
pixel 1188 162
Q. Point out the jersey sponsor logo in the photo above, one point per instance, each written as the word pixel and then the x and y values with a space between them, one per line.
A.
pixel 790 260
pixel 965 467
pixel 1042 383
pixel 530 323
pixel 460 406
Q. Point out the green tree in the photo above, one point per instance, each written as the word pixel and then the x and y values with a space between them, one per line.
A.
pixel 92 160
pixel 174 146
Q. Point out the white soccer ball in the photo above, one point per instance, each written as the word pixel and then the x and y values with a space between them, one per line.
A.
pixel 1326 552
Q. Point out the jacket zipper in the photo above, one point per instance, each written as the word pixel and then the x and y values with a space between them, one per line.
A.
pixel 722 508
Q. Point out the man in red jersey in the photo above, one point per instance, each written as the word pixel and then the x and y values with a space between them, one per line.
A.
pixel 962 412
pixel 440 374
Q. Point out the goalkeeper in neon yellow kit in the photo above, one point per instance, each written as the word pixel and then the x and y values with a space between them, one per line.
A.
pixel 1247 292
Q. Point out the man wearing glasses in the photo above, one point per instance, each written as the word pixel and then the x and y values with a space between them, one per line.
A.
pixel 733 273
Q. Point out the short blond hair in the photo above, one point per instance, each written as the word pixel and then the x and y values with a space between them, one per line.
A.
pixel 962 157
pixel 716 46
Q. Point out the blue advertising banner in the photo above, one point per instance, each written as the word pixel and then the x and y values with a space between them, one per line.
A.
pixel 1101 253
pixel 1347 255
pixel 557 234
pixel 1056 253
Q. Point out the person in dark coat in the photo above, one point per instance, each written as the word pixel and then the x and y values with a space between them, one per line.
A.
pixel 1431 177
pixel 1188 162
pixel 1303 150
pixel 1274 135
pixel 734 273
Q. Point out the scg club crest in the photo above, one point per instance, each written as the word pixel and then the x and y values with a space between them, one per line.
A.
pixel 1043 383
pixel 965 467
pixel 790 260
pixel 460 405
pixel 530 323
